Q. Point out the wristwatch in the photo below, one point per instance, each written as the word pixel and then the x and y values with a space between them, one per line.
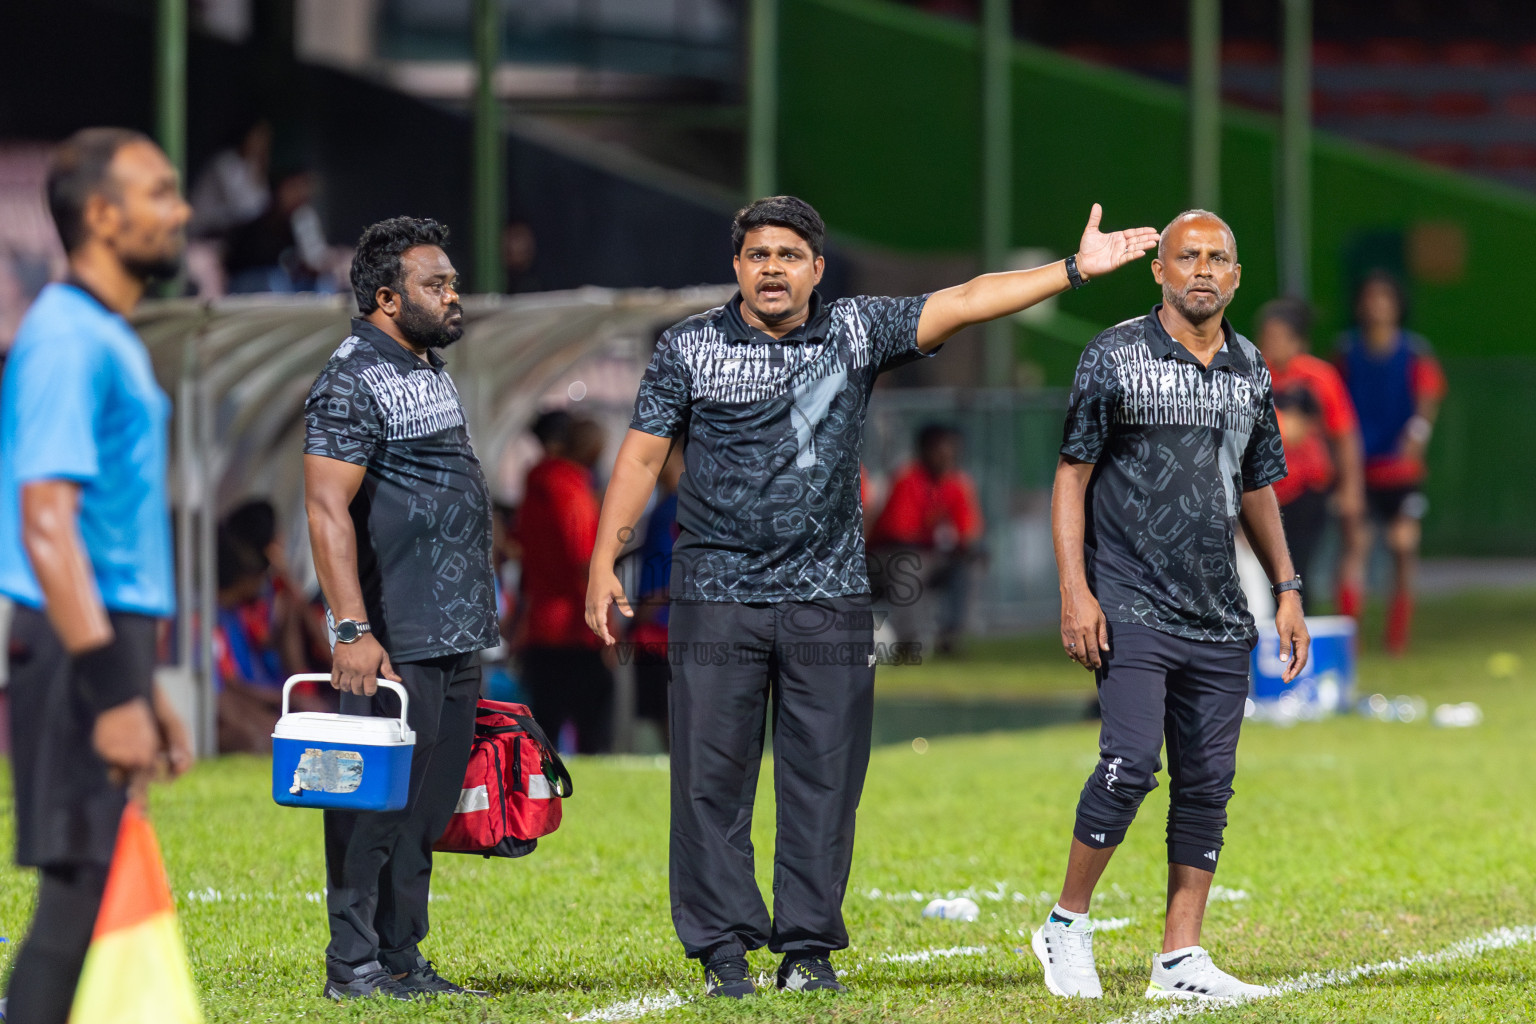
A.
pixel 1284 585
pixel 1072 273
pixel 349 631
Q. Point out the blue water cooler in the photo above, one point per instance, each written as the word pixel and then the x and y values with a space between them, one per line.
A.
pixel 341 762
pixel 1326 684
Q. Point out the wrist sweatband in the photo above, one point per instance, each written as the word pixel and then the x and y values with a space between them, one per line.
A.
pixel 122 669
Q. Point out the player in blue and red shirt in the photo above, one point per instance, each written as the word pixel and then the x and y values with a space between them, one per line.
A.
pixel 1397 386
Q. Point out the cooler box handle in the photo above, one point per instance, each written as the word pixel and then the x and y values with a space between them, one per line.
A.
pixel 324 677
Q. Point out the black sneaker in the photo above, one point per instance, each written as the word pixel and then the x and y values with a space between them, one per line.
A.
pixel 801 972
pixel 369 979
pixel 424 980
pixel 726 973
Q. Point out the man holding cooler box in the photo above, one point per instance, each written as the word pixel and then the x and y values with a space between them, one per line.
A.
pixel 400 525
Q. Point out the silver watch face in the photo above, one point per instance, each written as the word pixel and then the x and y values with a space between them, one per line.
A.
pixel 347 631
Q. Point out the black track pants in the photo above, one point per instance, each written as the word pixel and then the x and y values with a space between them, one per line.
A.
pixel 811 664
pixel 1156 686
pixel 47 968
pixel 378 866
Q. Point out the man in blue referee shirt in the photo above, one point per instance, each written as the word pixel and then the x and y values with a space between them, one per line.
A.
pixel 85 547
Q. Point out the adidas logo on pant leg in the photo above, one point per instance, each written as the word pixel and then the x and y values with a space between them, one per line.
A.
pixel 1098 837
pixel 1210 855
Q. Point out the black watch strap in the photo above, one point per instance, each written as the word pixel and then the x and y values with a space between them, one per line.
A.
pixel 1291 584
pixel 1072 274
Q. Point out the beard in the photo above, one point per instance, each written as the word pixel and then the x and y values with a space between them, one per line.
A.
pixel 1196 307
pixel 421 327
pixel 153 269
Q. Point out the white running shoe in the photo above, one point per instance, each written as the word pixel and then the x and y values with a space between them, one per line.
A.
pixel 1066 953
pixel 1189 974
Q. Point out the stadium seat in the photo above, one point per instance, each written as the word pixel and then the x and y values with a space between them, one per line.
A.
pixel 1473 53
pixel 1249 51
pixel 1376 103
pixel 1458 104
pixel 1446 154
pixel 1332 53
pixel 1510 155
pixel 1397 51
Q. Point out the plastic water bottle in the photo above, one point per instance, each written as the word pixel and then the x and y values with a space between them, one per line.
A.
pixel 961 909
pixel 1458 716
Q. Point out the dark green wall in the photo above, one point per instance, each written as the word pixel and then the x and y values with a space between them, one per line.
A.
pixel 880 129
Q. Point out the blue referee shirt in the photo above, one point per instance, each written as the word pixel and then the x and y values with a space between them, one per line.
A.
pixel 79 402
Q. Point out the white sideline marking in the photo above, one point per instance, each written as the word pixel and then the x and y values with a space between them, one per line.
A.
pixel 999 893
pixel 634 1009
pixel 1466 949
pixel 924 955
pixel 212 895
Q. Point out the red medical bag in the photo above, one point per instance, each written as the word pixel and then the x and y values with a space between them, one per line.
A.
pixel 512 788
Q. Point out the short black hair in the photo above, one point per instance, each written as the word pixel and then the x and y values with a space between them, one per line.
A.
pixel 377 261
pixel 253 523
pixel 1294 313
pixel 80 169
pixel 552 427
pixel 933 433
pixel 237 562
pixel 780 211
pixel 1383 276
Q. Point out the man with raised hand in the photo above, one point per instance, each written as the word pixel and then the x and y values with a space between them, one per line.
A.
pixel 1170 440
pixel 400 526
pixel 85 547
pixel 770 586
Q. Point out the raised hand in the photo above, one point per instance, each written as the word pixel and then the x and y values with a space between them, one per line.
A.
pixel 1099 253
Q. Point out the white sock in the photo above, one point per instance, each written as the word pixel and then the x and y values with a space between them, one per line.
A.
pixel 1070 916
pixel 1175 954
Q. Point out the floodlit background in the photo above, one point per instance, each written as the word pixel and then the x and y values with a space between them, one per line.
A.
pixel 588 155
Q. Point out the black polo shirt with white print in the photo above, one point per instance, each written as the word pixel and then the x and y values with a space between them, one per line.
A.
pixel 1174 446
pixel 768 508
pixel 423 512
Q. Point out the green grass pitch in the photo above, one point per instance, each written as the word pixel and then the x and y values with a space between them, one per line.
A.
pixel 1351 842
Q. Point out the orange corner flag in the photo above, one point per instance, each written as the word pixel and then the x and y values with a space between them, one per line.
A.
pixel 136 971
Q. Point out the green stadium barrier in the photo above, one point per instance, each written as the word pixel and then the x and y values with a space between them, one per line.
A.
pixel 880 129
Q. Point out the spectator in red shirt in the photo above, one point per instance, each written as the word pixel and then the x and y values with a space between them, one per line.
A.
pixel 1397 386
pixel 563 667
pixel 926 539
pixel 1322 447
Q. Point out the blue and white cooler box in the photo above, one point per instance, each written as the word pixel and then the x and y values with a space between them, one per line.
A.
pixel 1327 682
pixel 341 762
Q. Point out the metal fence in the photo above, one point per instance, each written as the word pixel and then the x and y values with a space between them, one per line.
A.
pixel 1010 443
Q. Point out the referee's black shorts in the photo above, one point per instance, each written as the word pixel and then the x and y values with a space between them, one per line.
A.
pixel 67 809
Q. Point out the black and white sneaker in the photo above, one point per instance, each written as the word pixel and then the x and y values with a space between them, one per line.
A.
pixel 808 973
pixel 1189 974
pixel 726 974
pixel 423 979
pixel 369 979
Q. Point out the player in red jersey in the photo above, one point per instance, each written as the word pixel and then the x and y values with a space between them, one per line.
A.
pixel 1322 447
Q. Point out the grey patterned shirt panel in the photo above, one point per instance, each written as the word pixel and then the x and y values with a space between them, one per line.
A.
pixel 769 506
pixel 423 513
pixel 1174 445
